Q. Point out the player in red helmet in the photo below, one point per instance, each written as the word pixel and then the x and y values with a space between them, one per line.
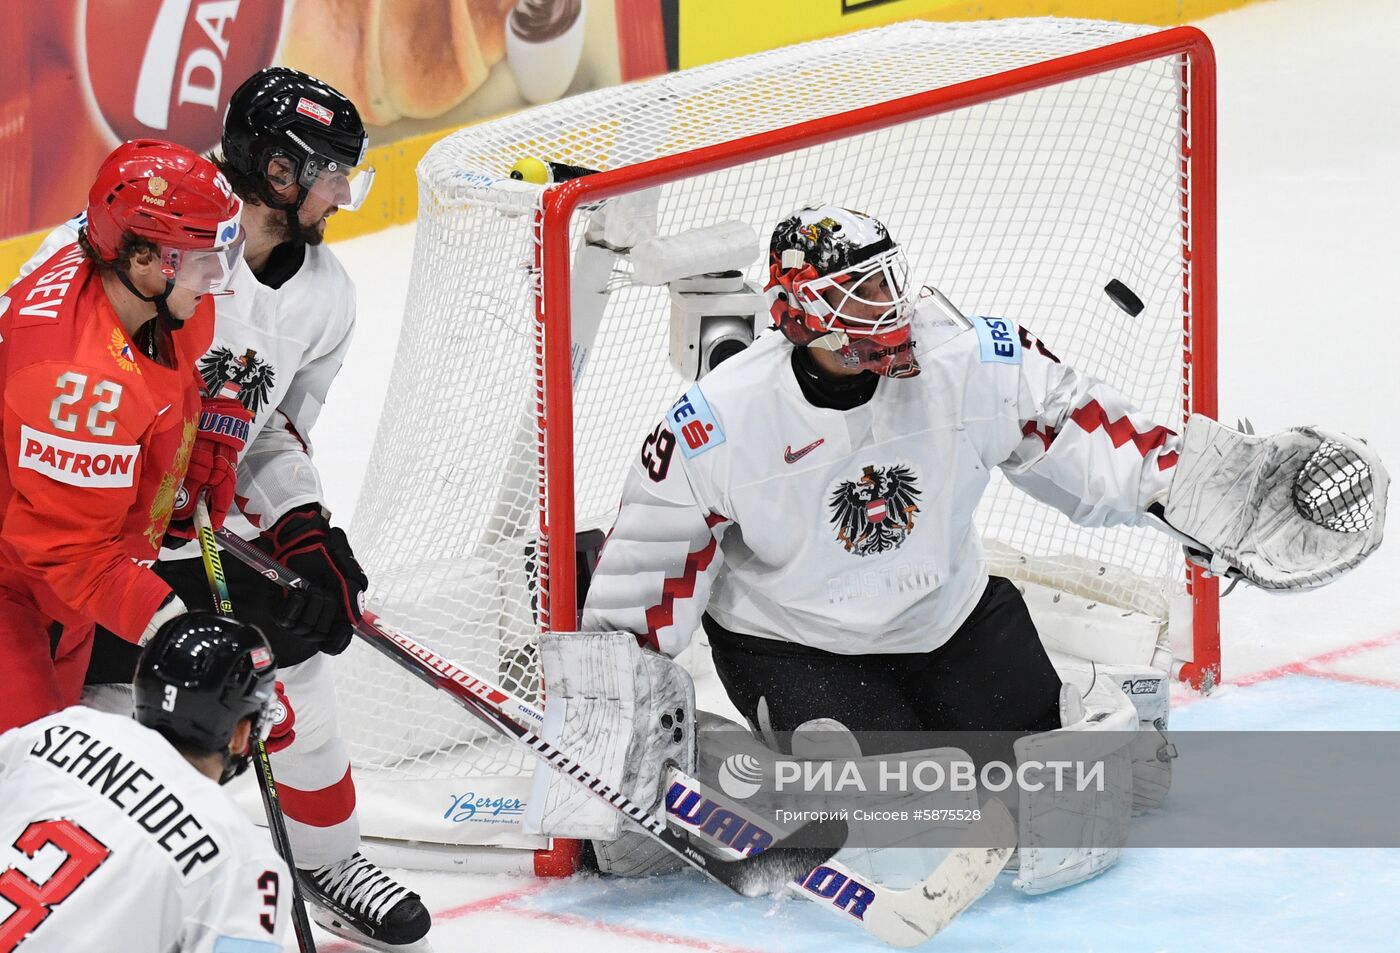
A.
pixel 178 204
pixel 293 150
pixel 102 410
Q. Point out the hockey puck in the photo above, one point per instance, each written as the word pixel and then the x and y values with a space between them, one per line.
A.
pixel 1121 295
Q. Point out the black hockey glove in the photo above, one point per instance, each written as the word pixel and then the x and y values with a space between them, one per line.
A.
pixel 304 542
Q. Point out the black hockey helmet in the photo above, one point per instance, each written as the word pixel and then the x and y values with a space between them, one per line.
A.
pixel 200 675
pixel 280 112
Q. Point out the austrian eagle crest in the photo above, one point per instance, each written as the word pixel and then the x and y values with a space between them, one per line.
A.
pixel 250 376
pixel 875 512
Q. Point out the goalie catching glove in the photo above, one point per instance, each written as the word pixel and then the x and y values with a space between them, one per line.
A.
pixel 307 544
pixel 1293 510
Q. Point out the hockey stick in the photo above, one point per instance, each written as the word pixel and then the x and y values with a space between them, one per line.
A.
pixel 898 917
pixel 267 784
pixel 750 876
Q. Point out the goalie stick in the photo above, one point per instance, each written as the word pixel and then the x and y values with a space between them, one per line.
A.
pixel 267 784
pixel 897 917
pixel 750 876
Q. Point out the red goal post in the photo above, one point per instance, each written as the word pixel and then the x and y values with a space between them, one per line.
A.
pixel 1022 164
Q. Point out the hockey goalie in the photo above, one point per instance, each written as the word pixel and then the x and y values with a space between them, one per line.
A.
pixel 861 437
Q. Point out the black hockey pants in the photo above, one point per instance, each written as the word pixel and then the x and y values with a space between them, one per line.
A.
pixel 992 676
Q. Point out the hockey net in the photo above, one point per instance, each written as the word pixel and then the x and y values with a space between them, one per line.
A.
pixel 1022 164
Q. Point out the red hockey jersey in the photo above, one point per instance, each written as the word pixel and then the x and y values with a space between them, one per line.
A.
pixel 96 439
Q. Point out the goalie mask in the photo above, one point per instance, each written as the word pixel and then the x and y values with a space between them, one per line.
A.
pixel 837 281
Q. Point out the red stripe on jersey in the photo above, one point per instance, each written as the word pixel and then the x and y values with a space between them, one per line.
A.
pixel 324 808
pixel 1031 427
pixel 291 429
pixel 1167 460
pixel 1092 416
pixel 242 503
pixel 679 587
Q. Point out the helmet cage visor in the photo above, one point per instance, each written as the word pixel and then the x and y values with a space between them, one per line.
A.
pixel 205 270
pixel 335 183
pixel 331 181
pixel 890 354
pixel 868 299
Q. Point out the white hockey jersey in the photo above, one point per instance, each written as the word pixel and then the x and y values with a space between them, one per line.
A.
pixel 851 531
pixel 110 840
pixel 278 349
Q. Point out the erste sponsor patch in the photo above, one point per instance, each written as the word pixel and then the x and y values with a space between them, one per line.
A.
pixel 998 340
pixel 694 424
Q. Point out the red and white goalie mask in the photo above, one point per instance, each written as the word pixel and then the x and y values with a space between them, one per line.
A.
pixel 837 281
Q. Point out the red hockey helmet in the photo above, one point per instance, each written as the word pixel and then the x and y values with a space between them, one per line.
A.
pixel 836 280
pixel 173 198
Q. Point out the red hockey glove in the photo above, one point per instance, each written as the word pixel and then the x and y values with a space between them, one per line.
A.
pixel 304 542
pixel 213 471
pixel 284 721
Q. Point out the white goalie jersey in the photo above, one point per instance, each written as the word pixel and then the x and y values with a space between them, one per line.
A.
pixel 852 531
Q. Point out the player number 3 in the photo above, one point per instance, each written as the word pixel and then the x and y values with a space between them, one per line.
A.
pixel 33 902
pixel 269 885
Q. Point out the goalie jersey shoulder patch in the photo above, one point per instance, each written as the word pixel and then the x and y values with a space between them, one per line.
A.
pixel 998 340
pixel 694 424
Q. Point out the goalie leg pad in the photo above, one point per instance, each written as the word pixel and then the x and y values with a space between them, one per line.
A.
pixel 635 855
pixel 1067 835
pixel 1148 688
pixel 1150 692
pixel 870 850
pixel 622 712
pixel 1293 510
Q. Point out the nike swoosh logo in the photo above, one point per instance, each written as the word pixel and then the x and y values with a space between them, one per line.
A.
pixel 792 456
pixel 164 409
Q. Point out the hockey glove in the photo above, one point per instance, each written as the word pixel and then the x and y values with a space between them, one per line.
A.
pixel 213 470
pixel 304 542
pixel 284 721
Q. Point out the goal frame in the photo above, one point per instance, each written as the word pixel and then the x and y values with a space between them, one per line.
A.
pixel 1199 284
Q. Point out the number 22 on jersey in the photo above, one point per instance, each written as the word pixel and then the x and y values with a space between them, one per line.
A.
pixel 72 387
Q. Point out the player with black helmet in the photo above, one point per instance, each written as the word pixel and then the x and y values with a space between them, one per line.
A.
pixel 292 142
pixel 198 680
pixel 293 149
pixel 154 857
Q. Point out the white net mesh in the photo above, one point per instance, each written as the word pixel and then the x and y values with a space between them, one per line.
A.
pixel 1021 206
